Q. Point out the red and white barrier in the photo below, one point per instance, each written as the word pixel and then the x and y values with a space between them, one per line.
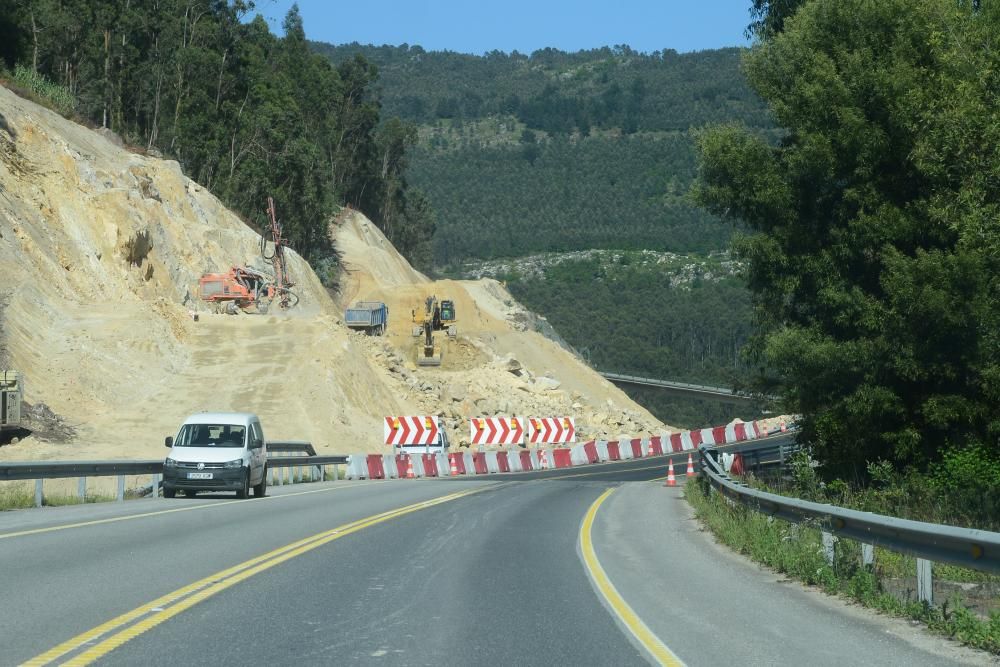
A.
pixel 602 451
pixel 492 464
pixel 409 430
pixel 496 431
pixel 551 430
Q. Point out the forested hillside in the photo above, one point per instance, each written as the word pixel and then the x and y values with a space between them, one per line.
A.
pixel 247 114
pixel 560 151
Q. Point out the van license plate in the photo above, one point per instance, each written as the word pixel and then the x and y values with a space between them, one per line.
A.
pixel 199 475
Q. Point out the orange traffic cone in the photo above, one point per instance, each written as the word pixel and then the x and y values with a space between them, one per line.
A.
pixel 690 471
pixel 543 459
pixel 454 468
pixel 409 468
pixel 671 480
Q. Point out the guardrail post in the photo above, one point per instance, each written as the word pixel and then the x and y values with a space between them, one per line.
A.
pixel 925 581
pixel 298 474
pixel 38 492
pixel 121 488
pixel 81 489
pixel 336 472
pixel 270 476
pixel 156 485
pixel 867 555
pixel 828 546
pixel 318 476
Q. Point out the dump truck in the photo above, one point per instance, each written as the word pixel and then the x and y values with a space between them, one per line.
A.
pixel 11 395
pixel 372 317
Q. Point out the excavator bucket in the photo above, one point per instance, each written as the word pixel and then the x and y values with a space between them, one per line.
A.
pixel 433 360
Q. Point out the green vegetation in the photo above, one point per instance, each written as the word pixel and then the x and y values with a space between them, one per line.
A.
pixel 248 115
pixel 796 550
pixel 873 248
pixel 561 151
pixel 681 319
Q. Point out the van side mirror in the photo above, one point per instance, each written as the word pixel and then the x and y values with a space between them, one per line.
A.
pixel 169 441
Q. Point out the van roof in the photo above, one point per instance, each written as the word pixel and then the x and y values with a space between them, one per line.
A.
pixel 241 418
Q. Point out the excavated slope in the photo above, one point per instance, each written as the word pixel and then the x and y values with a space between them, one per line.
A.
pixel 101 251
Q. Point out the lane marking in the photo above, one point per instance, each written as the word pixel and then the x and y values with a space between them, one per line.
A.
pixel 656 648
pixel 169 605
pixel 97 522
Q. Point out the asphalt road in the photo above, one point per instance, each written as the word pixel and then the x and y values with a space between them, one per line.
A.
pixel 496 576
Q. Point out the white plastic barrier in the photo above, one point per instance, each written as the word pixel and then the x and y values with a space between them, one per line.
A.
pixel 686 443
pixel 357 466
pixel 730 433
pixel 644 443
pixel 625 450
pixel 578 455
pixel 390 467
pixel 707 437
pixel 514 460
pixel 602 450
pixel 492 465
pixel 470 465
pixel 444 466
pixel 535 465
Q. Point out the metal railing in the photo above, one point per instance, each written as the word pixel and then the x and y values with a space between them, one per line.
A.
pixel 292 466
pixel 927 542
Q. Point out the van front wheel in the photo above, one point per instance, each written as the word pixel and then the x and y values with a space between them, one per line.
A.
pixel 260 489
pixel 245 491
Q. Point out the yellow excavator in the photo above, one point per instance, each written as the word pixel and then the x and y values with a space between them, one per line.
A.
pixel 436 316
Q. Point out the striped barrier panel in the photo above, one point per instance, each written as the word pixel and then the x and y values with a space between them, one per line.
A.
pixel 561 458
pixel 496 431
pixel 410 430
pixel 551 430
pixel 613 452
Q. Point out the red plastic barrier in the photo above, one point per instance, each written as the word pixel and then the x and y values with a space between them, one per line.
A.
pixel 637 452
pixel 479 461
pixel 525 460
pixel 591 450
pixel 756 430
pixel 502 462
pixel 675 442
pixel 696 438
pixel 430 465
pixel 375 470
pixel 561 457
pixel 741 432
pixel 458 461
pixel 613 452
pixel 719 435
pixel 657 445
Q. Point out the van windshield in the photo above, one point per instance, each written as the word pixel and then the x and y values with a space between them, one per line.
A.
pixel 211 435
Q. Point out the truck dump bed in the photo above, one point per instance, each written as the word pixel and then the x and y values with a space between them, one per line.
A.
pixel 369 316
pixel 11 392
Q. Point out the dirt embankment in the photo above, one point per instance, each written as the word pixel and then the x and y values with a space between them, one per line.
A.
pixel 102 250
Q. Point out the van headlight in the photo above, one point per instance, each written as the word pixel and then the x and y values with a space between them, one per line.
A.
pixel 170 463
pixel 235 463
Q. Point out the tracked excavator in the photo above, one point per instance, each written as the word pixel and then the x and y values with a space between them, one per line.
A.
pixel 436 316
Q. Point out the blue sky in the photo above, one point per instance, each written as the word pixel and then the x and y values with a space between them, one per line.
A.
pixel 468 26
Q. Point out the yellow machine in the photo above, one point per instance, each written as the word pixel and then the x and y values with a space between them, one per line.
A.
pixel 434 317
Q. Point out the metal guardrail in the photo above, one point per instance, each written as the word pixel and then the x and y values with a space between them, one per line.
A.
pixel 290 446
pixel 760 455
pixel 966 547
pixel 42 470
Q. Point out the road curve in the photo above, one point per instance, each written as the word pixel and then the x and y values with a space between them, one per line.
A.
pixel 492 577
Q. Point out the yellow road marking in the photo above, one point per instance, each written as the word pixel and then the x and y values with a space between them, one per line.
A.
pixel 96 522
pixel 628 617
pixel 171 604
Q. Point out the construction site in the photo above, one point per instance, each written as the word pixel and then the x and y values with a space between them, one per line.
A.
pixel 132 297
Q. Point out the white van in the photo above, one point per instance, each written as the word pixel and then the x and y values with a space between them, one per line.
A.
pixel 217 451
pixel 439 446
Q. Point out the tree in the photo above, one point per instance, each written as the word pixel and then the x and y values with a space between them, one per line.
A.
pixel 875 247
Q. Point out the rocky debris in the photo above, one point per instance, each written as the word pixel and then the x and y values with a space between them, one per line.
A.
pixel 45 424
pixel 546 384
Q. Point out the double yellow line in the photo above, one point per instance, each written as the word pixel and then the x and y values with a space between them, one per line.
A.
pixel 649 641
pixel 121 629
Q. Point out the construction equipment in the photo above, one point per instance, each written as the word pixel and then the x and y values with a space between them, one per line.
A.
pixel 372 317
pixel 11 395
pixel 435 317
pixel 246 289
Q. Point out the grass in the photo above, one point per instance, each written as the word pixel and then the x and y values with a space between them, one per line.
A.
pixel 36 87
pixel 796 550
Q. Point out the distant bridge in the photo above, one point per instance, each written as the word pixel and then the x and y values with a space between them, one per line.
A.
pixel 720 394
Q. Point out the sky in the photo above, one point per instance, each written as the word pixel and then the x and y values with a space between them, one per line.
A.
pixel 469 26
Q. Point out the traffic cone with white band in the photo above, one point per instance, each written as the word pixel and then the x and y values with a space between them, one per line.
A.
pixel 671 480
pixel 690 470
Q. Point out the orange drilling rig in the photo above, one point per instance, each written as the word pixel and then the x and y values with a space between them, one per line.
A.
pixel 246 289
